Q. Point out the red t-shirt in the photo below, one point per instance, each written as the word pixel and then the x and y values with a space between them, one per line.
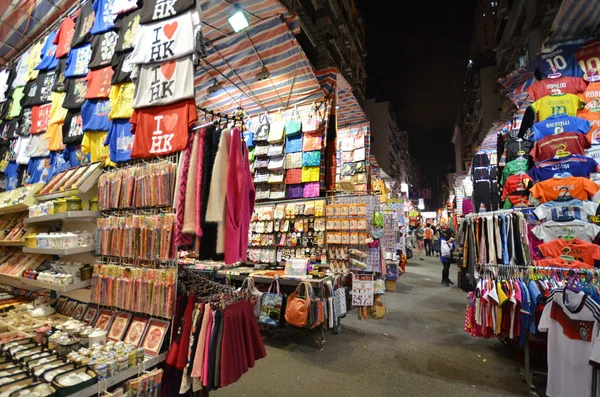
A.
pixel 516 183
pixel 572 142
pixel 99 83
pixel 40 115
pixel 63 37
pixel 566 85
pixel 582 251
pixel 557 262
pixel 161 130
pixel 588 56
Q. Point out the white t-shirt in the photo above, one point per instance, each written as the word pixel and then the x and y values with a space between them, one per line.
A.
pixel 3 84
pixel 578 209
pixel 21 150
pixel 122 6
pixel 468 186
pixel 552 230
pixel 167 39
pixel 21 70
pixel 164 83
pixel 571 320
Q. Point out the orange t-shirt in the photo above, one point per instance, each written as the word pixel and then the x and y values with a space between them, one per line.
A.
pixel 99 83
pixel 573 186
pixel 594 118
pixel 161 130
pixel 557 262
pixel 582 251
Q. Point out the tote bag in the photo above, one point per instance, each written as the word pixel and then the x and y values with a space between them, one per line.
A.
pixel 270 308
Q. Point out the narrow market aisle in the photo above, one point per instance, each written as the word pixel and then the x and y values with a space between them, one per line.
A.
pixel 419 349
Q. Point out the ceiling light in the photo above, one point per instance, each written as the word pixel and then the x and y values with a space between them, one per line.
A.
pixel 238 21
pixel 263 74
pixel 215 87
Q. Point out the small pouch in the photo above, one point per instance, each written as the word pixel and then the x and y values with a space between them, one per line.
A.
pixel 313 122
pixel 293 176
pixel 359 154
pixel 293 160
pixel 277 176
pixel 276 129
pixel 293 127
pixel 293 144
pixel 311 189
pixel 295 191
pixel 276 163
pixel 348 157
pixel 347 144
pixel 277 192
pixel 261 162
pixel 261 176
pixel 275 150
pixel 311 159
pixel 262 132
pixel 261 150
pixel 312 141
pixel 311 174
pixel 263 192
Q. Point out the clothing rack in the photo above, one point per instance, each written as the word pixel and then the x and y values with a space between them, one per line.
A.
pixel 508 211
pixel 220 115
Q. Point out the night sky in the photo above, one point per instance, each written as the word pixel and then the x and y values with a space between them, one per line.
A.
pixel 431 39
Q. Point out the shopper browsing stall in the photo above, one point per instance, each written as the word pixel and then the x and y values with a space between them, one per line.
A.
pixel 446 247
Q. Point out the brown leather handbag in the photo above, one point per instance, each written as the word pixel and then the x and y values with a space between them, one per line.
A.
pixel 298 309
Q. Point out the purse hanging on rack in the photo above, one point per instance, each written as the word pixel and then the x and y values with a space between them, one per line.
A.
pixel 262 132
pixel 276 129
pixel 270 309
pixel 313 123
pixel 298 308
pixel 293 126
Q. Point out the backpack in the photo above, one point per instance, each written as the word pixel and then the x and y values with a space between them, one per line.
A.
pixel 428 234
pixel 446 249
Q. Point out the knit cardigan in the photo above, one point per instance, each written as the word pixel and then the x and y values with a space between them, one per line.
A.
pixel 215 211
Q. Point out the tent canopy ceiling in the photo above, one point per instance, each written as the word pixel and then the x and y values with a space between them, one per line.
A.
pixel 349 111
pixel 576 19
pixel 231 71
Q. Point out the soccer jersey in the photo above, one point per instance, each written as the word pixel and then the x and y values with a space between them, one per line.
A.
pixel 516 183
pixel 566 210
pixel 591 92
pixel 553 230
pixel 584 252
pixel 574 164
pixel 511 168
pixel 553 105
pixel 567 187
pixel 588 57
pixel 562 58
pixel 559 124
pixel 571 320
pixel 566 85
pixel 571 142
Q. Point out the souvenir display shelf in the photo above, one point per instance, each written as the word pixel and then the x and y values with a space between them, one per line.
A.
pixel 11 243
pixel 85 187
pixel 58 251
pixel 64 217
pixel 21 282
pixel 22 205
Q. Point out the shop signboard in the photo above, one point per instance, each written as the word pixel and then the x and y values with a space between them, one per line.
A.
pixel 424 193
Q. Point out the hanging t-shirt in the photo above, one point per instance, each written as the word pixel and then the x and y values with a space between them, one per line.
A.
pixel 166 40
pixel 39 90
pixel 33 60
pixel 59 84
pixel 83 26
pixel 104 19
pixel 38 146
pixel 95 115
pixel 566 85
pixel 558 124
pixel 122 68
pixel 38 170
pixel 103 48
pixel 553 230
pixel 567 187
pixel 571 320
pixel 156 10
pixel 127 25
pixel 78 61
pixel 552 105
pixel 518 183
pixel 562 58
pixel 14 109
pixel 580 250
pixel 572 142
pixel 22 156
pixel 54 135
pixel 588 57
pixel 163 129
pixel 517 146
pixel 594 119
pixel 48 54
pixel 120 141
pixel 57 111
pixel 511 168
pixel 4 86
pixel 75 89
pixel 21 70
pixel 98 83
pixel 40 115
pixel 122 6
pixel 566 210
pixel 12 176
pixel 72 128
pixel 12 128
pixel 24 123
pixel 121 97
pixel 591 92
pixel 93 144
pixel 574 164
pixel 163 84
pixel 64 36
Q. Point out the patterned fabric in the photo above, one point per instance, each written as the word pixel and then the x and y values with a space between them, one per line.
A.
pixel 180 238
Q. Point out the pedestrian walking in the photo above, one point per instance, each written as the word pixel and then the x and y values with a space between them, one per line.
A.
pixel 447 246
pixel 420 236
pixel 428 242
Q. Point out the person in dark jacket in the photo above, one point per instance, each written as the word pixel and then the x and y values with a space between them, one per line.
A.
pixel 447 246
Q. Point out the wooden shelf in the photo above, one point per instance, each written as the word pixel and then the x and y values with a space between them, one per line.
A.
pixel 64 216
pixel 20 282
pixel 12 243
pixel 60 252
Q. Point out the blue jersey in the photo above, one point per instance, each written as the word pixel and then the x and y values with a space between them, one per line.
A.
pixel 558 124
pixel 574 164
pixel 562 58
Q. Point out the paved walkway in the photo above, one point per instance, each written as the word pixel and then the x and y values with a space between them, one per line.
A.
pixel 419 349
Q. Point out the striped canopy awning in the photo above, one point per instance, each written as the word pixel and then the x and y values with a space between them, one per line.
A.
pixel 519 95
pixel 514 79
pixel 22 21
pixel 490 142
pixel 233 64
pixel 349 111
pixel 327 79
pixel 576 19
pixel 216 12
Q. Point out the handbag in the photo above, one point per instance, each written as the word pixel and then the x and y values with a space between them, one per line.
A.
pixel 261 162
pixel 252 294
pixel 312 189
pixel 295 191
pixel 294 125
pixel 275 149
pixel 293 176
pixel 312 141
pixel 339 300
pixel 277 176
pixel 311 174
pixel 262 132
pixel 261 176
pixel 311 159
pixel 293 144
pixel 261 150
pixel 293 160
pixel 317 312
pixel 313 123
pixel 270 308
pixel 276 163
pixel 276 129
pixel 298 309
